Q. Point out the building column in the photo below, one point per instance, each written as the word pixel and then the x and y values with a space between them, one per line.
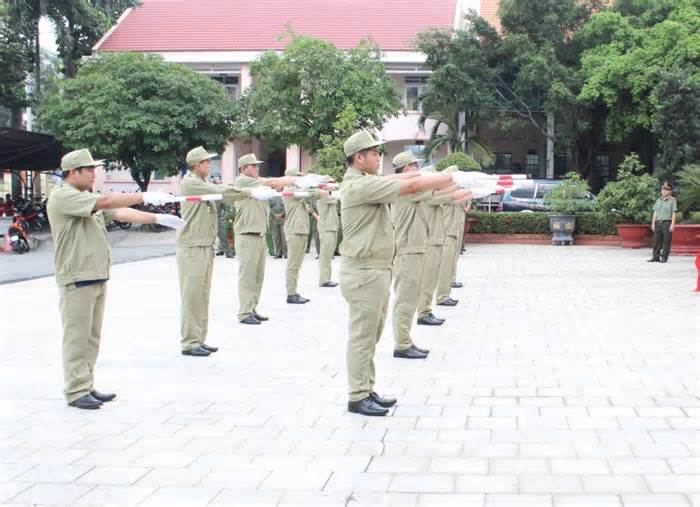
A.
pixel 228 164
pixel 294 157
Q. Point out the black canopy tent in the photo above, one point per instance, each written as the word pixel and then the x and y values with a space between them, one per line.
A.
pixel 29 151
pixel 23 153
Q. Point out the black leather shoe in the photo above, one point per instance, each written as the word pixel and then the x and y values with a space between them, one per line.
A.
pixel 366 406
pixel 103 397
pixel 86 402
pixel 430 320
pixel 230 255
pixel 456 285
pixel 424 351
pixel 250 319
pixel 663 259
pixel 218 254
pixel 439 319
pixel 449 302
pixel 296 299
pixel 209 348
pixel 329 284
pixel 196 352
pixel 261 318
pixel 654 259
pixel 382 402
pixel 410 353
pixel 277 257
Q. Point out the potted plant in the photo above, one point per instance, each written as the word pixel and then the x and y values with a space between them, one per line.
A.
pixel 565 200
pixel 686 233
pixel 631 198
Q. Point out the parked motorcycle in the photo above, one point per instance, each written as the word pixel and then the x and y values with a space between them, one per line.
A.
pixel 18 233
pixel 34 215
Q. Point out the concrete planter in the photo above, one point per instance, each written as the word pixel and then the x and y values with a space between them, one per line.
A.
pixel 562 227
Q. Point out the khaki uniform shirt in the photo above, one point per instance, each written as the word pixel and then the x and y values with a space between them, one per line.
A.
pixel 296 216
pixel 454 217
pixel 328 220
pixel 368 232
pixel 251 214
pixel 81 246
pixel 201 218
pixel 433 213
pixel 411 223
pixel 665 208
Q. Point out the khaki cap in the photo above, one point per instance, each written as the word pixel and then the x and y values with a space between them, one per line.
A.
pixel 78 158
pixel 359 141
pixel 196 155
pixel 404 158
pixel 292 172
pixel 249 159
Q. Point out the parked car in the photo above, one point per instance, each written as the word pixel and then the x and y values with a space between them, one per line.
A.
pixel 530 197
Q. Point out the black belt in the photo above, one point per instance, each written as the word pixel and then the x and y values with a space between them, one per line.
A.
pixel 252 234
pixel 663 220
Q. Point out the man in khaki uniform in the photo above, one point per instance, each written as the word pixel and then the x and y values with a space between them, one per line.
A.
pixel 296 232
pixel 82 258
pixel 662 223
pixel 195 251
pixel 453 217
pixel 225 212
pixel 328 223
pixel 250 227
pixel 279 242
pixel 436 239
pixel 368 253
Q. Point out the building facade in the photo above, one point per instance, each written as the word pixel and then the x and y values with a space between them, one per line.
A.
pixel 220 38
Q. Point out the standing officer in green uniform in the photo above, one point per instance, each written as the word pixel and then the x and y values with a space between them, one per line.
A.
pixel 226 212
pixel 82 258
pixel 195 251
pixel 453 218
pixel 296 232
pixel 328 223
pixel 433 256
pixel 279 242
pixel 250 227
pixel 662 223
pixel 368 253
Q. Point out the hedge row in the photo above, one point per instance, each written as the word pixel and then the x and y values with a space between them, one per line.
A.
pixel 537 223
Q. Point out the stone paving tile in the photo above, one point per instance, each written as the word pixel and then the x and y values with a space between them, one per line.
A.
pixel 571 400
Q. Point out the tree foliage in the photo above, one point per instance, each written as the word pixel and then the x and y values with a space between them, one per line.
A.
pixel 15 57
pixel 330 158
pixel 140 112
pixel 632 196
pixel 463 162
pixel 298 96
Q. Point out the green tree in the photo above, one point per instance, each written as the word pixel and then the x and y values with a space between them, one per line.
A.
pixel 15 61
pixel 330 158
pixel 630 49
pixel 676 121
pixel 297 96
pixel 463 162
pixel 139 112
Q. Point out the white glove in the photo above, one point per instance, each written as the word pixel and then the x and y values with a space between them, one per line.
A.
pixel 467 179
pixel 484 189
pixel 172 221
pixel 263 193
pixel 311 180
pixel 157 198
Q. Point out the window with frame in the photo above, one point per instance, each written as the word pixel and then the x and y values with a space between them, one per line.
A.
pixel 414 88
pixel 532 163
pixel 602 165
pixel 561 162
pixel 230 83
pixel 503 162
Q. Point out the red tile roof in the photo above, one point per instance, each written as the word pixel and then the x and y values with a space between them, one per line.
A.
pixel 248 25
pixel 489 11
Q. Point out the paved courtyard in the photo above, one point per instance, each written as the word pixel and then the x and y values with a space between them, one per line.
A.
pixel 566 376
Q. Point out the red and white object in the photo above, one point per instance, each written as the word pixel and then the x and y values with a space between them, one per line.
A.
pixel 197 198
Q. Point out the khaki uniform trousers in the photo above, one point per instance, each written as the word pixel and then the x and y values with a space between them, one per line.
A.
pixel 82 309
pixel 448 268
pixel 279 243
pixel 366 292
pixel 194 268
pixel 329 240
pixel 408 272
pixel 296 248
pixel 251 251
pixel 431 271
